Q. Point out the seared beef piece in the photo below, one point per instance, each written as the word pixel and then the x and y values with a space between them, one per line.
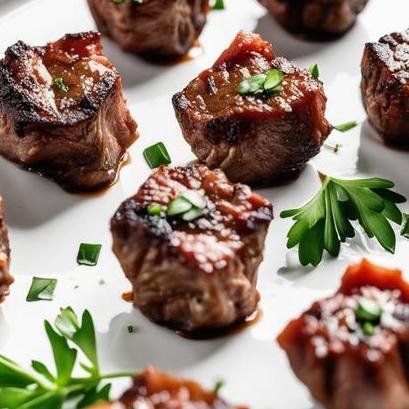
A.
pixel 344 365
pixel 159 390
pixel 5 278
pixel 316 19
pixel 254 139
pixel 198 275
pixel 385 87
pixel 157 28
pixel 62 112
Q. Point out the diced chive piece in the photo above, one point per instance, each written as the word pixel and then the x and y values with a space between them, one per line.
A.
pixel 192 214
pixel 178 206
pixel 131 329
pixel 368 310
pixel 219 384
pixel 218 5
pixel 195 198
pixel 155 209
pixel 256 83
pixel 42 289
pixel 314 71
pixel 244 87
pixel 273 80
pixel 405 226
pixel 368 328
pixel 157 155
pixel 60 85
pixel 347 126
pixel 88 254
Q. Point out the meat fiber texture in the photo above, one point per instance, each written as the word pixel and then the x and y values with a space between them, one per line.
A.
pixel 156 28
pixel 5 278
pixel 62 112
pixel 155 389
pixel 255 139
pixel 385 87
pixel 316 19
pixel 199 275
pixel 343 367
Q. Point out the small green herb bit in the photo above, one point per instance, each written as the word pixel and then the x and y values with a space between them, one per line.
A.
pixel 219 384
pixel 178 206
pixel 268 82
pixel 345 127
pixel 368 329
pixel 314 71
pixel 42 289
pixel 368 310
pixel 88 254
pixel 155 209
pixel 157 155
pixel 325 221
pixel 189 205
pixel 218 5
pixel 60 85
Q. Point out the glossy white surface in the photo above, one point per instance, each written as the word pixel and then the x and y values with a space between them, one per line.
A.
pixel 47 224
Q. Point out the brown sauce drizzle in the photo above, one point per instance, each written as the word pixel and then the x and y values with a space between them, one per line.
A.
pixel 128 296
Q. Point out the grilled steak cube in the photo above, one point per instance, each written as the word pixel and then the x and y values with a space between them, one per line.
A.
pixel 62 112
pixel 351 350
pixel 159 390
pixel 192 272
pixel 156 28
pixel 5 278
pixel 385 87
pixel 316 19
pixel 255 138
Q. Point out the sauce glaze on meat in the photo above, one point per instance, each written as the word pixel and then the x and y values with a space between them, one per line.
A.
pixel 156 28
pixel 76 135
pixel 343 367
pixel 199 275
pixel 254 139
pixel 155 389
pixel 385 87
pixel 316 19
pixel 5 278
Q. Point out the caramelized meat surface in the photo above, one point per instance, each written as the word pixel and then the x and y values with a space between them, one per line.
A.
pixel 62 112
pixel 156 28
pixel 316 19
pixel 193 275
pixel 255 139
pixel 385 87
pixel 351 350
pixel 5 278
pixel 158 390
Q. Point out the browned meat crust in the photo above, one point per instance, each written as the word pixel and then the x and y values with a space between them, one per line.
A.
pixel 159 390
pixel 254 139
pixel 76 136
pixel 199 275
pixel 344 367
pixel 157 28
pixel 316 19
pixel 5 278
pixel 385 87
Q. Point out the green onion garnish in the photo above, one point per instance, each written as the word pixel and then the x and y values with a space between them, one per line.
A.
pixel 218 5
pixel 60 85
pixel 368 310
pixel 155 209
pixel 42 289
pixel 195 198
pixel 368 329
pixel 192 214
pixel 189 205
pixel 218 385
pixel 178 206
pixel 157 155
pixel 88 254
pixel 314 71
pixel 268 82
pixel 347 126
pixel 273 80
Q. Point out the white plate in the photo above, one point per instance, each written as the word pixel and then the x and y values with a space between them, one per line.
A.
pixel 47 224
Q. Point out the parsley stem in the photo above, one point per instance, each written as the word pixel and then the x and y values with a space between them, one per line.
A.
pixel 124 374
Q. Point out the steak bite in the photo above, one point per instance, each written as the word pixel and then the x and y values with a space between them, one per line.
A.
pixel 351 349
pixel 5 278
pixel 154 389
pixel 157 28
pixel 190 242
pixel 255 136
pixel 316 19
pixel 385 87
pixel 62 112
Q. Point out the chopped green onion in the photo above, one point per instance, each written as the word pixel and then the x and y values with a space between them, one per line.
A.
pixel 60 85
pixel 155 209
pixel 42 289
pixel 368 310
pixel 270 81
pixel 88 254
pixel 219 384
pixel 218 5
pixel 195 198
pixel 192 214
pixel 273 80
pixel 347 126
pixel 368 329
pixel 178 206
pixel 157 155
pixel 314 71
pixel 131 329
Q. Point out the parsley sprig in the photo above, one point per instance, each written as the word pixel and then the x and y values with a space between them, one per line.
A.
pixel 325 221
pixel 41 388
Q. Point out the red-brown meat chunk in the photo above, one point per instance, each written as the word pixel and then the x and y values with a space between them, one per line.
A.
pixel 5 278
